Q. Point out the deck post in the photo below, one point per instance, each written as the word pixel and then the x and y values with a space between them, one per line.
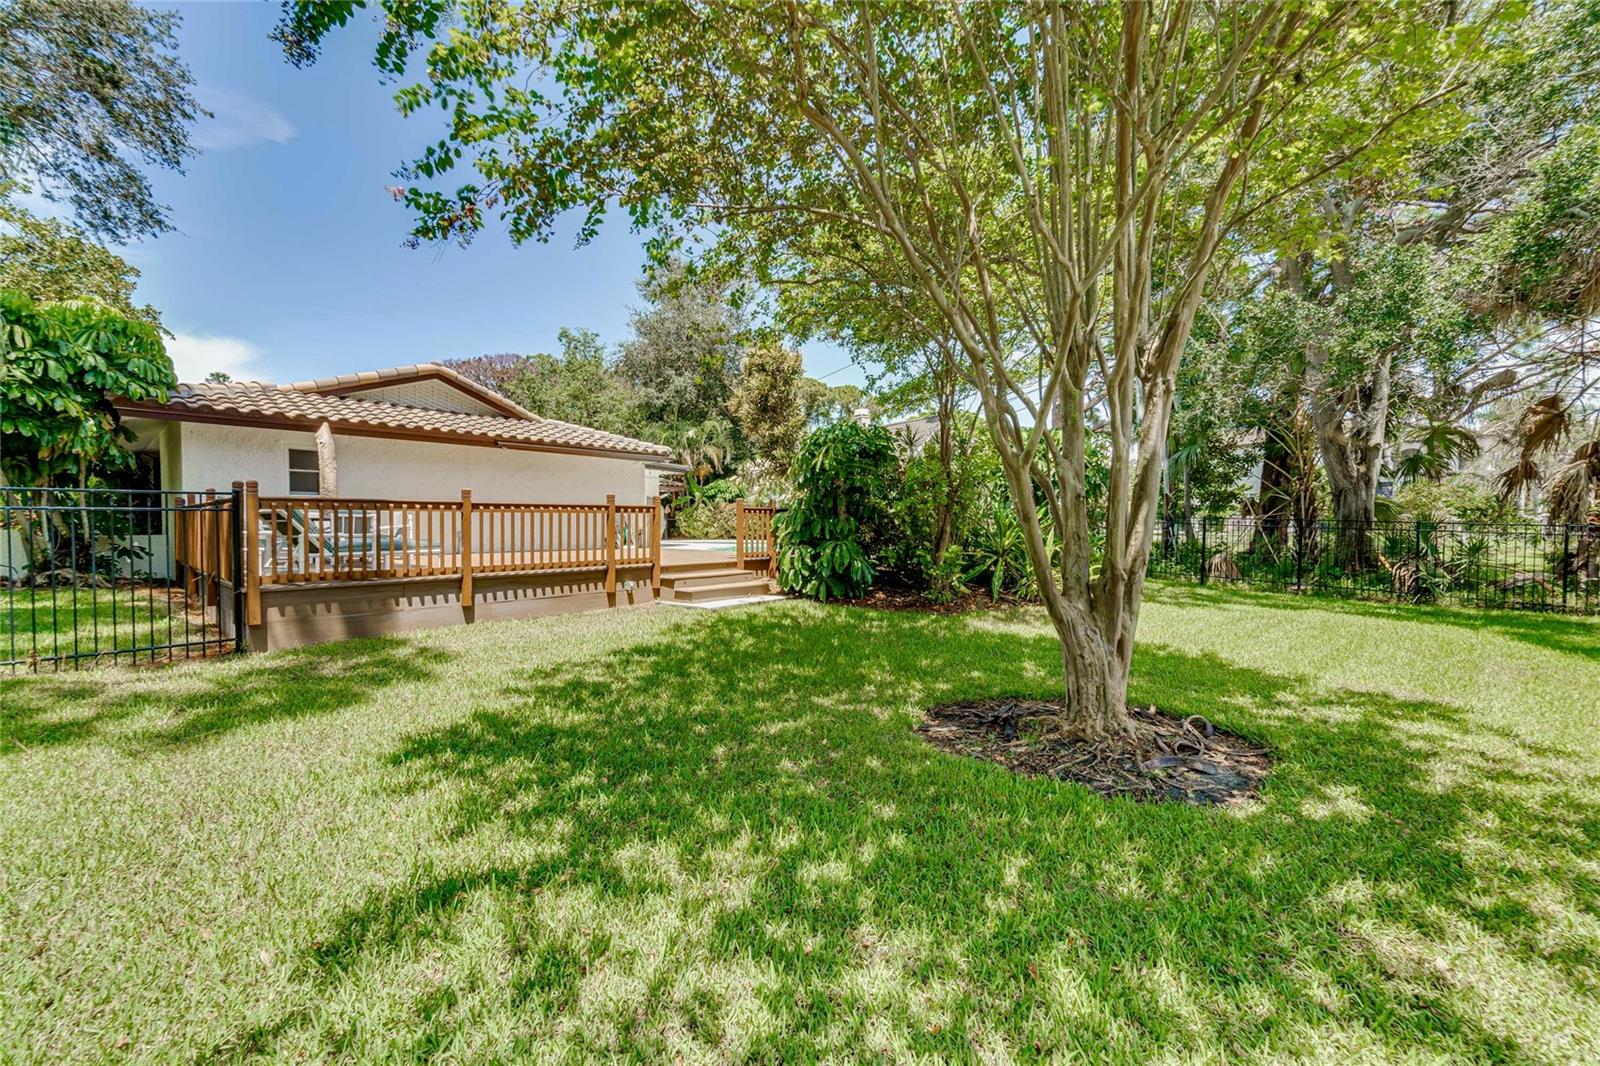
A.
pixel 611 543
pixel 208 518
pixel 191 546
pixel 738 532
pixel 466 552
pixel 655 548
pixel 251 532
pixel 236 567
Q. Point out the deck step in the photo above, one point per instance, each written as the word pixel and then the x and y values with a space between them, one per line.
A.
pixel 714 561
pixel 690 578
pixel 751 585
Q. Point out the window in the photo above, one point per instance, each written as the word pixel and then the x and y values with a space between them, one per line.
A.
pixel 304 478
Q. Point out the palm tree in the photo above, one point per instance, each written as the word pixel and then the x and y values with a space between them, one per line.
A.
pixel 1437 450
pixel 1541 432
pixel 705 448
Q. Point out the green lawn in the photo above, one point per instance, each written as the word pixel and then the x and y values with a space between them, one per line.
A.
pixel 661 834
pixel 83 622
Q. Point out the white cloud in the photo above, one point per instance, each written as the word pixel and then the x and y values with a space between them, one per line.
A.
pixel 237 120
pixel 194 356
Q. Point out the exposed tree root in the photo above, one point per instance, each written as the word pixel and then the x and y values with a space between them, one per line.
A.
pixel 1186 760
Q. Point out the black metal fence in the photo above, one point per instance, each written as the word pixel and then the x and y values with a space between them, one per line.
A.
pixel 1525 566
pixel 91 576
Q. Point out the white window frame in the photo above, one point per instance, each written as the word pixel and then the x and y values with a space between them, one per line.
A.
pixel 315 468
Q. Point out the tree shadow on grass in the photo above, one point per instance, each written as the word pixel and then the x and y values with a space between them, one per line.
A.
pixel 730 842
pixel 1568 634
pixel 210 699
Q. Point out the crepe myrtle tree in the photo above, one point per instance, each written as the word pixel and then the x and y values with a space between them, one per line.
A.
pixel 1057 181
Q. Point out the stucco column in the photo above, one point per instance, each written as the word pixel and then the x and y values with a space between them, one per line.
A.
pixel 327 461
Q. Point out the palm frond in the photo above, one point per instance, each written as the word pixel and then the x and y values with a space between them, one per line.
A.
pixel 1517 476
pixel 1544 425
pixel 1570 491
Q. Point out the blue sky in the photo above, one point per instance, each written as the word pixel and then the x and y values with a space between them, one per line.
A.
pixel 287 261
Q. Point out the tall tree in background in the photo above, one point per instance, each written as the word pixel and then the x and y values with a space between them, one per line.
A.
pixel 91 92
pixel 579 386
pixel 1058 181
pixel 684 356
pixel 49 261
pixel 1404 317
pixel 767 402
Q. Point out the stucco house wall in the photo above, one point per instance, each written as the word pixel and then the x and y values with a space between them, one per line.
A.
pixel 215 456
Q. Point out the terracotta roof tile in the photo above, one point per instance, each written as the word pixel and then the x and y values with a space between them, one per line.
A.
pixel 300 403
pixel 397 375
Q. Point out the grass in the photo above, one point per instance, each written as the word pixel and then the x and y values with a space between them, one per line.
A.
pixel 120 624
pixel 652 834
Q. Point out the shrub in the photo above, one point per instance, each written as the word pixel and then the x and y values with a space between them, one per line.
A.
pixel 906 547
pixel 1461 498
pixel 997 550
pixel 842 475
pixel 705 520
pixel 725 490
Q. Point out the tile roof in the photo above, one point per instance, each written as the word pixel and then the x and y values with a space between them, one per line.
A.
pixel 399 375
pixel 249 401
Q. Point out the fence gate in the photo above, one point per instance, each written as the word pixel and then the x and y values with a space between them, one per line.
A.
pixel 91 576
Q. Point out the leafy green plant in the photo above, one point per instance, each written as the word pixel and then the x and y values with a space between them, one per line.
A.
pixel 704 519
pixel 842 475
pixel 998 550
pixel 723 490
pixel 59 366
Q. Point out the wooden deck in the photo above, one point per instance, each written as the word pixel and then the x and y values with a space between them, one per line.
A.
pixel 337 567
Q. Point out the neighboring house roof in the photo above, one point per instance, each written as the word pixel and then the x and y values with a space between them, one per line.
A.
pixel 338 401
pixel 385 381
pixel 921 430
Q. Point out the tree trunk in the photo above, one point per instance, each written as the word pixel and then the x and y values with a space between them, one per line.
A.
pixel 1354 507
pixel 1096 640
pixel 1095 690
pixel 1274 499
pixel 1351 422
pixel 945 530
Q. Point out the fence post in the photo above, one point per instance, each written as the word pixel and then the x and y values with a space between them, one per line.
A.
pixel 241 597
pixel 466 550
pixel 1565 569
pixel 1416 588
pixel 252 552
pixel 738 532
pixel 655 548
pixel 1204 553
pixel 611 543
pixel 1299 554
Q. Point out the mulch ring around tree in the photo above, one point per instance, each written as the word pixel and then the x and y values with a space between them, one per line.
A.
pixel 1183 760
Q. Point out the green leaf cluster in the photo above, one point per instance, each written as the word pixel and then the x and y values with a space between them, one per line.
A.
pixel 842 477
pixel 60 365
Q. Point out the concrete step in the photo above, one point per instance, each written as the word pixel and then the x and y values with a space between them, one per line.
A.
pixel 753 585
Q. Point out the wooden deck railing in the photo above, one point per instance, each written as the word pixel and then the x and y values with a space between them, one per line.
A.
pixel 202 536
pixel 753 538
pixel 305 539
pixel 298 539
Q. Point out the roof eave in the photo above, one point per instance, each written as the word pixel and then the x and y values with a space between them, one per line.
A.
pixel 182 413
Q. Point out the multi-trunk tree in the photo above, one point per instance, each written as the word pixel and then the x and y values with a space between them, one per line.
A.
pixel 1056 180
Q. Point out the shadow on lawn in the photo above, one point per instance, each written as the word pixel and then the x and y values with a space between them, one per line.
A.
pixel 215 698
pixel 737 822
